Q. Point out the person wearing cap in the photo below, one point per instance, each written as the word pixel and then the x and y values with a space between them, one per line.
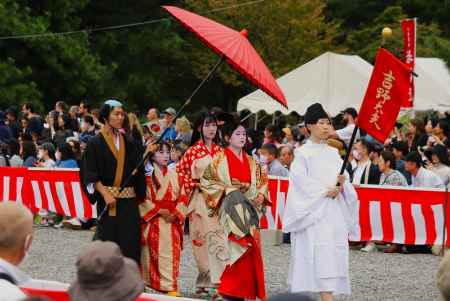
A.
pixel 420 176
pixel 169 133
pixel 345 133
pixel 110 158
pixel 16 236
pixel 319 214
pixel 104 274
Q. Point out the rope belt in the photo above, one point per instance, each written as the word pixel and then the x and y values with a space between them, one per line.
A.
pixel 127 193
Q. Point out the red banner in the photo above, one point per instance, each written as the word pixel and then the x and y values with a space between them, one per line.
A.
pixel 409 54
pixel 387 90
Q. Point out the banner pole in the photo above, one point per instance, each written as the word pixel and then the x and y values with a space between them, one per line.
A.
pixel 350 145
pixel 444 227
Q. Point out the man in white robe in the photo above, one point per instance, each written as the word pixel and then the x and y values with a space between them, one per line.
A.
pixel 319 215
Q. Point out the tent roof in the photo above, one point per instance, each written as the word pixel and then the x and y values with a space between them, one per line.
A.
pixel 336 81
pixel 339 81
pixel 432 85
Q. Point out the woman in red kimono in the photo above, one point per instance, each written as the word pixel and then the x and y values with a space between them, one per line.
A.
pixel 235 187
pixel 163 214
pixel 206 233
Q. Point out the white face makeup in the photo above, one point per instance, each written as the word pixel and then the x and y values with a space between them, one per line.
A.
pixel 209 130
pixel 162 156
pixel 239 137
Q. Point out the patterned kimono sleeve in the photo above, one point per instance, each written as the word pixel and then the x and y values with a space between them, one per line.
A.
pixel 181 208
pixel 262 187
pixel 212 187
pixel 148 209
pixel 183 168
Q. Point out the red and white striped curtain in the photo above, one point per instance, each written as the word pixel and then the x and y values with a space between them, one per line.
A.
pixel 391 214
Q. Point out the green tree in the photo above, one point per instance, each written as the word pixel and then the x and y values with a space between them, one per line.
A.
pixel 366 40
pixel 56 67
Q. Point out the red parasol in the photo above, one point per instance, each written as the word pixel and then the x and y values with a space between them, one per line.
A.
pixel 232 46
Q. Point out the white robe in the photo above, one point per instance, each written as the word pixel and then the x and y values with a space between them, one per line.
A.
pixel 319 226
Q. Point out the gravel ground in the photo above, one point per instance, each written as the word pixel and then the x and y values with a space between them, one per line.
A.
pixel 375 276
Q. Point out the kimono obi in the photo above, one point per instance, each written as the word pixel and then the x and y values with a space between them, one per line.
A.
pixel 242 186
pixel 168 204
pixel 126 193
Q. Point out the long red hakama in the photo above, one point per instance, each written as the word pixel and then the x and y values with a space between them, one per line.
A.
pixel 245 277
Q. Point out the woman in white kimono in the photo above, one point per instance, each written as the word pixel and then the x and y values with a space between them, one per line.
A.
pixel 319 215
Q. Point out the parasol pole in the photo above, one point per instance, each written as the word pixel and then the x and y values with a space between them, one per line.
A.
pixel 186 103
pixel 349 149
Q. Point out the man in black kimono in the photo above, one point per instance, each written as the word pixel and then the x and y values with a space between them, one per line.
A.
pixel 109 158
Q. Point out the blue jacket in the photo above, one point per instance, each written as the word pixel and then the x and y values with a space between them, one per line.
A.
pixel 71 163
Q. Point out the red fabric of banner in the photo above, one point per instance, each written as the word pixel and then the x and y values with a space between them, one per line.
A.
pixel 387 90
pixel 409 54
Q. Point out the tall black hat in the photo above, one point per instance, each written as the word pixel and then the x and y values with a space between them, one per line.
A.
pixel 314 113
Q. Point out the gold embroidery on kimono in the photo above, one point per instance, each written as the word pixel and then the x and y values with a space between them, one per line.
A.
pixel 216 183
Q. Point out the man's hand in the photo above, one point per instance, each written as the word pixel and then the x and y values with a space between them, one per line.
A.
pixel 341 180
pixel 333 192
pixel 259 200
pixel 109 198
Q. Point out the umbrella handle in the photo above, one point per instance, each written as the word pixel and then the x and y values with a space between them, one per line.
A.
pixel 208 76
pixel 186 103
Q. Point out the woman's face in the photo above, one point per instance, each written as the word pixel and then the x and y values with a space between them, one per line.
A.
pixel 412 128
pixel 209 130
pixel 116 118
pixel 239 137
pixel 267 133
pixel 162 156
pixel 429 127
pixel 382 164
pixel 435 159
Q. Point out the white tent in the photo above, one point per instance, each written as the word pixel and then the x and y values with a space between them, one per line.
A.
pixel 340 81
pixel 432 85
pixel 336 81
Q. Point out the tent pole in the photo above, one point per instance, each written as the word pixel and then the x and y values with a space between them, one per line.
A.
pixel 256 121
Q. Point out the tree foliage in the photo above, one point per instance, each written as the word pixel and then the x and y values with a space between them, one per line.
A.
pixel 160 63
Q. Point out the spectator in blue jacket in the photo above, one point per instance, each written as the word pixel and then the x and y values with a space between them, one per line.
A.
pixel 65 156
